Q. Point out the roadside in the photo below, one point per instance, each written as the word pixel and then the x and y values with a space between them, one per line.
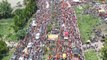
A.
pixel 6 29
pixel 9 54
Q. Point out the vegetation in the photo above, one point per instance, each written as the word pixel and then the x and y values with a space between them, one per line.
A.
pixel 86 24
pixel 23 15
pixel 9 55
pixel 5 9
pixel 3 48
pixel 6 29
pixel 21 33
pixel 104 51
pixel 49 28
pixel 91 55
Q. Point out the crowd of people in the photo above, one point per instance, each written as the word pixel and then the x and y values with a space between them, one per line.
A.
pixel 68 21
pixel 32 46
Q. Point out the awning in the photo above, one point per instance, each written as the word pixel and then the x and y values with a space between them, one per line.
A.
pixel 52 36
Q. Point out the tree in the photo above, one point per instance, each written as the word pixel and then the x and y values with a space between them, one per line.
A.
pixel 22 16
pixel 5 9
pixel 3 48
pixel 21 33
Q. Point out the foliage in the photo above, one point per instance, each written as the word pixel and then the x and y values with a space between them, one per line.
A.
pixel 91 55
pixel 21 33
pixel 22 16
pixel 86 24
pixel 5 26
pixel 5 9
pixel 3 48
pixel 7 30
pixel 25 1
pixel 9 55
pixel 49 28
pixel 104 51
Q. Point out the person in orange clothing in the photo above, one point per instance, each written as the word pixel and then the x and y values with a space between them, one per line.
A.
pixel 58 56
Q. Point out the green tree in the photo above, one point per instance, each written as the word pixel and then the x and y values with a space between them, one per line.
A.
pixel 5 9
pixel 22 16
pixel 3 48
pixel 21 33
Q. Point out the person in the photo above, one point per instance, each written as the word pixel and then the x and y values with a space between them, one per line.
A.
pixel 58 56
pixel 50 56
pixel 64 56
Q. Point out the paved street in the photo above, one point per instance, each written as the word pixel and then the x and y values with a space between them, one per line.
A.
pixel 66 46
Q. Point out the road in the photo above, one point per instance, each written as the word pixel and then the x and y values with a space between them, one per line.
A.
pixel 53 12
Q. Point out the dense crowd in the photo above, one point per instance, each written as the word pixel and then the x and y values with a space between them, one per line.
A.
pixel 32 46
